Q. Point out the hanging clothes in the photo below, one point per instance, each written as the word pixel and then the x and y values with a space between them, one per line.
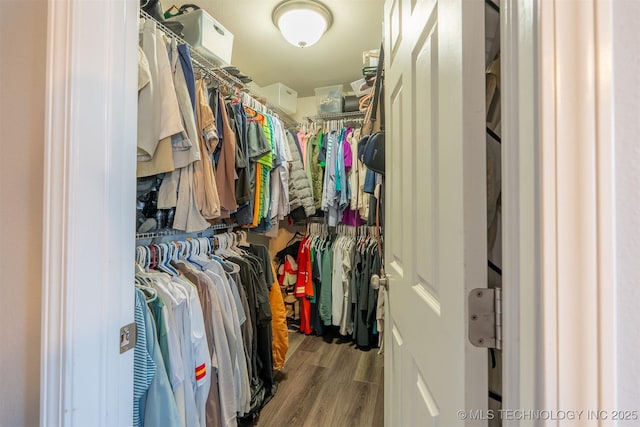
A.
pixel 212 158
pixel 159 113
pixel 153 399
pixel 212 333
pixel 280 343
pixel 300 193
pixel 280 196
pixel 205 185
pixel 162 158
pixel 337 175
pixel 332 283
pixel 226 165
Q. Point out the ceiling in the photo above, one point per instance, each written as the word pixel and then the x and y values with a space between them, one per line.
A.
pixel 260 51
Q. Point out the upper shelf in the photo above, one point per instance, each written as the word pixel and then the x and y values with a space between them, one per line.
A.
pixel 336 116
pixel 225 78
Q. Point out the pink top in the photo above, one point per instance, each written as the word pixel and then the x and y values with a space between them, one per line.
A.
pixel 303 137
pixel 348 155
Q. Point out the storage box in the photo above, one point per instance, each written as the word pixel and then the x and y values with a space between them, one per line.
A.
pixel 281 97
pixel 329 99
pixel 370 58
pixel 207 36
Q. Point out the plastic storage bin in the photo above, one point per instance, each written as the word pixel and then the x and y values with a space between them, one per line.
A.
pixel 282 97
pixel 329 99
pixel 207 36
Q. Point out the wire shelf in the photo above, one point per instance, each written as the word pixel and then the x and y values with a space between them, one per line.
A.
pixel 223 76
pixel 336 116
pixel 165 233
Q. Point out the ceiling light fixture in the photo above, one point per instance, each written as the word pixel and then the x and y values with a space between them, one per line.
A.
pixel 302 22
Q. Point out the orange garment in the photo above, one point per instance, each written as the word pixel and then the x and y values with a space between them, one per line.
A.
pixel 280 339
pixel 204 180
pixel 226 168
pixel 256 200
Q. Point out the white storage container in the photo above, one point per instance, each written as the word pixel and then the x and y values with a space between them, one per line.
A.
pixel 207 36
pixel 282 97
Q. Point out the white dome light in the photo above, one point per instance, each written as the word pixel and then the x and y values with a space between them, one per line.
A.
pixel 302 22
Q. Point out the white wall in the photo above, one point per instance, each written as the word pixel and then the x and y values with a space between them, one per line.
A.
pixel 22 85
pixel 306 108
pixel 626 72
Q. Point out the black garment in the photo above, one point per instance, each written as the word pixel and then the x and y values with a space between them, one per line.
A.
pixel 263 319
pixel 247 328
pixel 253 280
pixel 372 300
pixel 316 321
pixel 361 273
pixel 262 253
pixel 246 174
pixel 247 280
pixel 291 249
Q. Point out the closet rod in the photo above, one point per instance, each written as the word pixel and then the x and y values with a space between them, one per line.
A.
pixel 220 74
pixel 494 135
pixel 164 233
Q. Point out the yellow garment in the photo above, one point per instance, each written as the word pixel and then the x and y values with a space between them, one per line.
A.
pixel 280 342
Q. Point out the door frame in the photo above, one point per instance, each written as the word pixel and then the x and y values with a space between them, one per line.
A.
pixel 521 260
pixel 577 205
pixel 88 215
pixel 558 206
pixel 538 237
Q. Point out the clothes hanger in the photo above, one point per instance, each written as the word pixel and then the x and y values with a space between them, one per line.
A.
pixel 252 114
pixel 295 236
pixel 138 269
pixel 163 264
pixel 150 294
pixel 154 252
pixel 238 96
pixel 243 239
pixel 219 245
pixel 232 248
pixel 215 244
pixel 140 257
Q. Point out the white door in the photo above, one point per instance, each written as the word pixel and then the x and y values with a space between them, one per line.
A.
pixel 435 224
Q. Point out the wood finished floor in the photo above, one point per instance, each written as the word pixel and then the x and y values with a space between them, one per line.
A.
pixel 327 384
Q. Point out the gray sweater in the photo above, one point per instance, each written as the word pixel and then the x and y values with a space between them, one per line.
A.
pixel 299 190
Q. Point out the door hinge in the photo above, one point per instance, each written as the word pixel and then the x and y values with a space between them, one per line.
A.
pixel 485 317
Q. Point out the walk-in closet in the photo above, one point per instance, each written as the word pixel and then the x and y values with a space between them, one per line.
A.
pixel 259 215
pixel 319 212
pixel 296 205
